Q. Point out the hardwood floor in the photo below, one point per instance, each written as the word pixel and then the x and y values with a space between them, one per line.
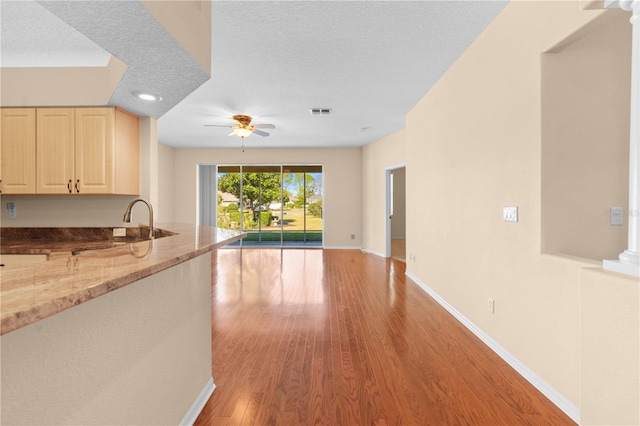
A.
pixel 338 337
pixel 399 249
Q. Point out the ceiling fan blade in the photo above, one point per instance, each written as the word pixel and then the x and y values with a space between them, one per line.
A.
pixel 264 126
pixel 260 132
pixel 217 125
pixel 231 134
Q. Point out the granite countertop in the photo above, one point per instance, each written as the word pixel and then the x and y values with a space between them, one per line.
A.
pixel 80 267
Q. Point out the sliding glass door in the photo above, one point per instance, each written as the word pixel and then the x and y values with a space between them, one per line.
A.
pixel 303 212
pixel 276 205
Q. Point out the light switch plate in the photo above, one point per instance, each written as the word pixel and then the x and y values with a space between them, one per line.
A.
pixel 510 213
pixel 617 216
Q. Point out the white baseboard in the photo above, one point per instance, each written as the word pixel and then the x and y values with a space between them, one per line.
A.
pixel 553 395
pixel 193 413
pixel 377 253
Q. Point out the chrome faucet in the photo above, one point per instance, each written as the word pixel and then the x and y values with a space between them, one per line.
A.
pixel 127 214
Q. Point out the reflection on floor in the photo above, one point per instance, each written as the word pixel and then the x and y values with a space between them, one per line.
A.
pixel 398 249
pixel 342 337
pixel 276 244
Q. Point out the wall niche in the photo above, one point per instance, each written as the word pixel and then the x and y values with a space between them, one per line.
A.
pixel 586 86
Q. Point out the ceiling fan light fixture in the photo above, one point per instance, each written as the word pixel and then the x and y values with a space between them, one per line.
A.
pixel 242 132
pixel 243 127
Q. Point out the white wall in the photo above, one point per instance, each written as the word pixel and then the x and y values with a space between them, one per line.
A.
pixel 342 183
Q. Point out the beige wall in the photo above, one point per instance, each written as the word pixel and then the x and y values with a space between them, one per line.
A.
pixel 474 146
pixel 166 178
pixel 69 211
pixel 376 158
pixel 189 22
pixel 609 349
pixel 65 86
pixel 138 355
pixel 585 140
pixel 342 183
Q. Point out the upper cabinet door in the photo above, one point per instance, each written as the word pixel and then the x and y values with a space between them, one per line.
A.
pixel 95 150
pixel 56 150
pixel 18 151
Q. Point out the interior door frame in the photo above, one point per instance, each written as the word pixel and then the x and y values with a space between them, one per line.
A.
pixel 387 211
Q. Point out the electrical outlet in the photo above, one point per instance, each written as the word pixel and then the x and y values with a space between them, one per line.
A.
pixel 12 210
pixel 617 216
pixel 353 236
pixel 492 306
pixel 119 232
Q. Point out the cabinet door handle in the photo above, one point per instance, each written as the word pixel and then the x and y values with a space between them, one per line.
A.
pixel 77 182
pixel 69 186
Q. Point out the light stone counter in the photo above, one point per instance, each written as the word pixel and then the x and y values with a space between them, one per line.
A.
pixel 33 292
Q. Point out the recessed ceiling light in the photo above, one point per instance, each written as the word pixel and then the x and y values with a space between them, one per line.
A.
pixel 147 96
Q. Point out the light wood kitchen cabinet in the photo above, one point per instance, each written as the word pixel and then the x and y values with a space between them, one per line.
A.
pixel 95 151
pixel 56 142
pixel 18 151
pixel 80 151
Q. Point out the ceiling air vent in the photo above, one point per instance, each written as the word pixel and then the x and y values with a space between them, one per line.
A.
pixel 320 111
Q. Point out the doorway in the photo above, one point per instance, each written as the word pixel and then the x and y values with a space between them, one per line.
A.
pixel 396 212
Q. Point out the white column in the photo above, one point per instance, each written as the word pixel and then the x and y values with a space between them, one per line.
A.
pixel 629 260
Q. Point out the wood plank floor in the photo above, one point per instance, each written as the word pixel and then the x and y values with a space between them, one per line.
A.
pixel 340 337
pixel 399 249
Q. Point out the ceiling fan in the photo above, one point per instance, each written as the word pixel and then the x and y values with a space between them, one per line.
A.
pixel 243 126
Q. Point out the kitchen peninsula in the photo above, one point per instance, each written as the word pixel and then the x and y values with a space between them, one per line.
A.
pixel 107 331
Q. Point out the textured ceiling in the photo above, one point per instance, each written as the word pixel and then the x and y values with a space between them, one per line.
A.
pixel 370 62
pixel 34 37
